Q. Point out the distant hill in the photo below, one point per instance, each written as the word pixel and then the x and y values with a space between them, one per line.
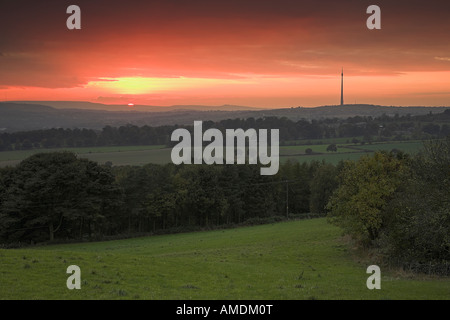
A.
pixel 25 116
pixel 124 107
pixel 350 110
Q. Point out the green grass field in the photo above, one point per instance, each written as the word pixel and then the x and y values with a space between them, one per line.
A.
pixel 303 259
pixel 345 151
pixel 410 147
pixel 140 155
pixel 317 148
pixel 332 158
pixel 119 155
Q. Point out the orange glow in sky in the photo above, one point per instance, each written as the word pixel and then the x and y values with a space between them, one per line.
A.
pixel 259 53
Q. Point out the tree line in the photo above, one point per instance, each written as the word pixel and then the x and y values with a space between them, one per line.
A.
pixel 58 196
pixel 380 128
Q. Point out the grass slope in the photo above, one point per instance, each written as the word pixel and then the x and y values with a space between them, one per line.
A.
pixel 290 260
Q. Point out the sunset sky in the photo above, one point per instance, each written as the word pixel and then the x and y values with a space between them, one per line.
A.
pixel 252 53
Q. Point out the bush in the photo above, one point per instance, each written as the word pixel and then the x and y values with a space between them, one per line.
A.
pixel 419 228
pixel 365 188
pixel 332 147
pixel 399 206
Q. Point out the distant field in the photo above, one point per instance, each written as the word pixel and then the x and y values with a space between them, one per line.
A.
pixel 332 158
pixel 345 151
pixel 316 148
pixel 325 141
pixel 290 260
pixel 408 147
pixel 140 155
pixel 119 155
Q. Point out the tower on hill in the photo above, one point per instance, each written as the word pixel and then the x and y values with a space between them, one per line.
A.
pixel 342 87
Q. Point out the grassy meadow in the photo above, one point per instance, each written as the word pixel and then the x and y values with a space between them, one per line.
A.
pixel 159 154
pixel 118 155
pixel 304 259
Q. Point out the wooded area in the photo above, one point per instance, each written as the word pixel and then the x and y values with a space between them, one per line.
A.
pixel 57 195
pixel 369 129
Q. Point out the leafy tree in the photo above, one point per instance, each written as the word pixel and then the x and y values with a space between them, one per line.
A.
pixel 332 147
pixel 232 192
pixel 322 185
pixel 162 198
pixel 101 200
pixel 9 223
pixel 432 129
pixel 419 229
pixel 204 197
pixel 300 190
pixel 365 188
pixel 57 191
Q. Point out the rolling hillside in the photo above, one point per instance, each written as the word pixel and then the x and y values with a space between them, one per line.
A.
pixel 27 116
pixel 304 259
